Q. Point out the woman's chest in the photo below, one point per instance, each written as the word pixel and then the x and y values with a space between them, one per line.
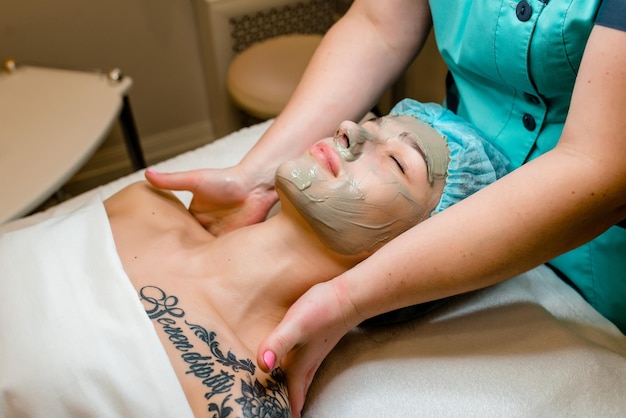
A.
pixel 216 370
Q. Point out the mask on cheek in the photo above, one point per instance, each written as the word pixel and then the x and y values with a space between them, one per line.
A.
pixel 344 218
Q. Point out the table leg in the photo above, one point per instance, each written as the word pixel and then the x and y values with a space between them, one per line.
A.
pixel 131 137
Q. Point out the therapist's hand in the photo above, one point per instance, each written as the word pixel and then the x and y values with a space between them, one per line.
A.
pixel 223 199
pixel 311 328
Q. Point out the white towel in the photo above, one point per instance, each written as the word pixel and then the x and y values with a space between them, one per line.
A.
pixel 74 338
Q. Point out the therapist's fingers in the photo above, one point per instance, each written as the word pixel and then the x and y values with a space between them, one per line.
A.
pixel 215 197
pixel 222 200
pixel 310 329
pixel 299 364
pixel 184 180
pixel 301 323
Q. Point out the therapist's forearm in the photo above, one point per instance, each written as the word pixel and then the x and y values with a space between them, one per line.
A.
pixel 516 224
pixel 355 63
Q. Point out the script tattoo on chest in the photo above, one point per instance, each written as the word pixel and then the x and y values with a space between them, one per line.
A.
pixel 215 369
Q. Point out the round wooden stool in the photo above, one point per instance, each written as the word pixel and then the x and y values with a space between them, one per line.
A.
pixel 261 79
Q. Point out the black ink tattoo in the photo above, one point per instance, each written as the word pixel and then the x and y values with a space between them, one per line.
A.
pixel 175 334
pixel 229 360
pixel 257 400
pixel 267 400
pixel 160 304
pixel 221 411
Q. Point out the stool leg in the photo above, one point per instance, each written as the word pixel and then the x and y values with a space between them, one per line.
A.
pixel 131 137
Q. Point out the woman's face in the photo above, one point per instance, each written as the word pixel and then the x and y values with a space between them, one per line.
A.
pixel 368 183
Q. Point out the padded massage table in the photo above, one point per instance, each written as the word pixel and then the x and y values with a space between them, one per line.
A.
pixel 530 346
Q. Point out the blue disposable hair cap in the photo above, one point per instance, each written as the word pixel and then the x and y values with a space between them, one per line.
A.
pixel 474 161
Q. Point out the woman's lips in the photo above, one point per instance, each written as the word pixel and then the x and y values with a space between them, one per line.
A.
pixel 328 158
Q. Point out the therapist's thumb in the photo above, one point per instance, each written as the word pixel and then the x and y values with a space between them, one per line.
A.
pixel 273 348
pixel 283 350
pixel 184 180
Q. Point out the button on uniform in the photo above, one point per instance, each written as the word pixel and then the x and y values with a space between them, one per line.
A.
pixel 529 122
pixel 523 11
pixel 531 98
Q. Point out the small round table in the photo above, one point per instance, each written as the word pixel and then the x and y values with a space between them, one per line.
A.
pixel 261 79
pixel 52 121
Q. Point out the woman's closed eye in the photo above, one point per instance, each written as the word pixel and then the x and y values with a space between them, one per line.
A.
pixel 398 163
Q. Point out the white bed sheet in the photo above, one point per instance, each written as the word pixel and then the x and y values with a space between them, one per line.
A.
pixel 528 347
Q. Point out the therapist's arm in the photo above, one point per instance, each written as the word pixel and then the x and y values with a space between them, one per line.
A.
pixel 358 59
pixel 549 206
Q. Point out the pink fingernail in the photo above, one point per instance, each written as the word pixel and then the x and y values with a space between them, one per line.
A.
pixel 269 358
pixel 151 171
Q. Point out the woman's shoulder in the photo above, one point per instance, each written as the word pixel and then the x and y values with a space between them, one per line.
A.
pixel 143 194
pixel 145 204
pixel 140 214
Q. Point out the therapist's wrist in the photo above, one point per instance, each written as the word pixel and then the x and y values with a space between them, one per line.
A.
pixel 258 186
pixel 350 314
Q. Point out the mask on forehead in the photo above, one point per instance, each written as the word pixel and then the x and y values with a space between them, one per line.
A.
pixel 363 207
pixel 434 149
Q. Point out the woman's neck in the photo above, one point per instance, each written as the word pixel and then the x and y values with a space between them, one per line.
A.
pixel 272 263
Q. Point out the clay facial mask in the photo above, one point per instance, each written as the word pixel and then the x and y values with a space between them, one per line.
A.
pixel 433 146
pixel 352 191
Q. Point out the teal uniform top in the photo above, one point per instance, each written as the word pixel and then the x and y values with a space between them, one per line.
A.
pixel 513 65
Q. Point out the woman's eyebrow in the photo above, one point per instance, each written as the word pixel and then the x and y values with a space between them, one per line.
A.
pixel 410 139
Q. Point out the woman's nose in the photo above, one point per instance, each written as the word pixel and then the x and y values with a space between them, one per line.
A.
pixel 352 136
